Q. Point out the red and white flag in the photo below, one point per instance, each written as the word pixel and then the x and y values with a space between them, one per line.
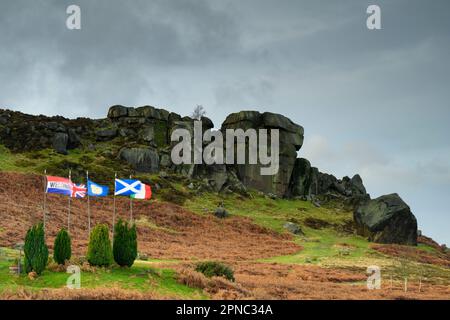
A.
pixel 145 192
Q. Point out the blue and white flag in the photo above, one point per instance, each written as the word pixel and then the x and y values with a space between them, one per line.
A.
pixel 124 187
pixel 96 190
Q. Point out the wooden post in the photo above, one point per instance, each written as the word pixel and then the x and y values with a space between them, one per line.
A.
pixel 20 261
pixel 114 208
pixel 131 207
pixel 70 196
pixel 88 203
pixel 45 196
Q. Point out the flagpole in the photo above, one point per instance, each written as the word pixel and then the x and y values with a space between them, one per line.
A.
pixel 45 194
pixel 131 207
pixel 88 202
pixel 114 207
pixel 70 195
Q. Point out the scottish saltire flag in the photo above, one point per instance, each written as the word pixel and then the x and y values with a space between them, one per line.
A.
pixel 96 190
pixel 124 187
pixel 59 185
pixel 78 191
pixel 145 193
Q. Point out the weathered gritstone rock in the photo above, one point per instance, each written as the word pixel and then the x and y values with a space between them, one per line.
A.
pixel 106 134
pixel 307 182
pixel 60 141
pixel 387 219
pixel 293 228
pixel 22 132
pixel 291 140
pixel 141 159
pixel 147 130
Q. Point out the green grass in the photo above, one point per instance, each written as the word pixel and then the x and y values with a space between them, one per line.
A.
pixel 426 248
pixel 141 276
pixel 14 162
pixel 321 246
pixel 324 246
pixel 269 213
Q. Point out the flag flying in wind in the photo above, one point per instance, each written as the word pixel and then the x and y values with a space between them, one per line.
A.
pixel 78 191
pixel 124 187
pixel 145 193
pixel 96 190
pixel 59 185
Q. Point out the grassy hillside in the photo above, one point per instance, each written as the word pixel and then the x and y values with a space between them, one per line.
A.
pixel 327 261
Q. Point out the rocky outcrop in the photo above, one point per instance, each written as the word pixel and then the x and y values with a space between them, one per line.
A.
pixel 141 159
pixel 22 132
pixel 307 182
pixel 387 219
pixel 291 140
pixel 140 137
pixel 106 134
pixel 143 135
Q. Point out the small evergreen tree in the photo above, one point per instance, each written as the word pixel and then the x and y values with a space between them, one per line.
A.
pixel 99 248
pixel 35 249
pixel 125 244
pixel 62 249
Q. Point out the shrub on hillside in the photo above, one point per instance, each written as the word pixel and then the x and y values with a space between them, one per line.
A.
pixel 99 248
pixel 125 244
pixel 215 269
pixel 35 249
pixel 62 250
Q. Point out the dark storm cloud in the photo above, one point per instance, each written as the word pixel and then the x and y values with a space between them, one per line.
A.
pixel 120 45
pixel 373 102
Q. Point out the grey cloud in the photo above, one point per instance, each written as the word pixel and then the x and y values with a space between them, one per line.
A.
pixel 374 102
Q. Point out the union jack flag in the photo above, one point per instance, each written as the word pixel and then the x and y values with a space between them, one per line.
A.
pixel 78 191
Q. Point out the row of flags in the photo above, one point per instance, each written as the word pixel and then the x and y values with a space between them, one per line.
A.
pixel 123 187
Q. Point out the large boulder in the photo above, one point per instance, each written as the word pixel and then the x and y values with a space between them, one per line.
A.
pixel 117 112
pixel 60 141
pixel 387 219
pixel 106 134
pixel 307 181
pixel 152 113
pixel 74 139
pixel 141 159
pixel 291 140
pixel 216 175
pixel 293 228
pixel 300 184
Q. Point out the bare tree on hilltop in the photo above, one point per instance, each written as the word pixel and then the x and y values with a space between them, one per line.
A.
pixel 199 112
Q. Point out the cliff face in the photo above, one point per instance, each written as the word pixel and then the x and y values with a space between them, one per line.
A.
pixel 142 139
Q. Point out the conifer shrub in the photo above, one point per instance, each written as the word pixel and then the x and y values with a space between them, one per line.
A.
pixel 125 244
pixel 215 269
pixel 35 249
pixel 62 250
pixel 99 248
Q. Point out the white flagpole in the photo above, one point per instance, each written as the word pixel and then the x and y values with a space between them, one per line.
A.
pixel 70 195
pixel 45 194
pixel 114 208
pixel 88 202
pixel 131 207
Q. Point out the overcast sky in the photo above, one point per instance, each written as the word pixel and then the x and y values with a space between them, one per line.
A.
pixel 371 102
